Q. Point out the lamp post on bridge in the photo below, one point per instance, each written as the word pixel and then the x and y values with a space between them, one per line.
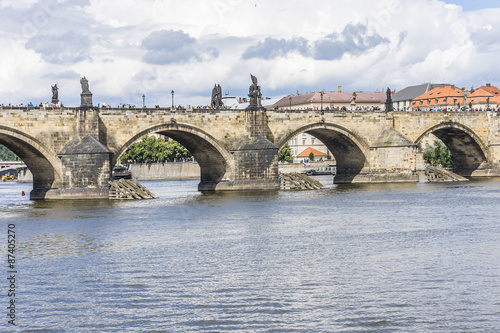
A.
pixel 290 100
pixel 322 93
pixel 172 98
pixel 143 101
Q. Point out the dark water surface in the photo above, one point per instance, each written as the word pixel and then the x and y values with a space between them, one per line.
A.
pixel 354 258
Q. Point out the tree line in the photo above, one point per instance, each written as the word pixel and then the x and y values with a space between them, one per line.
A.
pixel 7 155
pixel 151 150
pixel 438 155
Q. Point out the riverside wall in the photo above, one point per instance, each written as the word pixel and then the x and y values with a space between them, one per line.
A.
pixel 152 171
pixel 165 171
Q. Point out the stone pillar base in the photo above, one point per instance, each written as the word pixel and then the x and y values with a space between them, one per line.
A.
pixel 74 193
pixel 86 102
pixel 486 172
pixel 383 177
pixel 257 185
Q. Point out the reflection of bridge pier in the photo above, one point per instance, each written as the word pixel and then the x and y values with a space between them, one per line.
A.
pixel 71 152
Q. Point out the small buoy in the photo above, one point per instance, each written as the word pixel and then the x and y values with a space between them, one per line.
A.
pixel 22 193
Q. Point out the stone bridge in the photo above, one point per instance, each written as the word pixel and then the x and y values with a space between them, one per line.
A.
pixel 71 151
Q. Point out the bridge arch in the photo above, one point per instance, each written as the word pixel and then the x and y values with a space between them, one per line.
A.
pixel 350 151
pixel 468 150
pixel 214 160
pixel 42 162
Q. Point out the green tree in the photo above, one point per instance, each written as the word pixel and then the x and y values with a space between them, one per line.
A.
pixel 438 154
pixel 151 149
pixel 311 156
pixel 7 155
pixel 285 154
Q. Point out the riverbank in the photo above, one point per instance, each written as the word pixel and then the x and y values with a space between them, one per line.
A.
pixel 176 170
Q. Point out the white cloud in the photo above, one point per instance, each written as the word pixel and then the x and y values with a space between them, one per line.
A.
pixel 128 48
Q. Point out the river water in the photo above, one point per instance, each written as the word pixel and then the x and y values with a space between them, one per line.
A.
pixel 353 258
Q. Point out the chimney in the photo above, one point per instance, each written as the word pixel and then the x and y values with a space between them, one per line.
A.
pixel 340 89
pixel 488 85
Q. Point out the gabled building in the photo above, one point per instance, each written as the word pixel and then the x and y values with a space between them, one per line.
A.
pixel 442 97
pixel 402 99
pixel 305 142
pixel 483 98
pixel 331 100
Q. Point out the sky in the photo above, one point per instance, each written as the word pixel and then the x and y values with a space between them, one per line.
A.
pixel 127 49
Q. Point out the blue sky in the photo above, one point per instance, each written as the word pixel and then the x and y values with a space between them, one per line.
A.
pixel 127 48
pixel 470 5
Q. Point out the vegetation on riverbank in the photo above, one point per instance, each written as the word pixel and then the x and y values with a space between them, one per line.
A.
pixel 285 154
pixel 438 155
pixel 7 155
pixel 150 150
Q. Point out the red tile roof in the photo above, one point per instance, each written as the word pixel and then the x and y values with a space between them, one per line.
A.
pixel 306 152
pixel 482 94
pixel 491 89
pixel 440 96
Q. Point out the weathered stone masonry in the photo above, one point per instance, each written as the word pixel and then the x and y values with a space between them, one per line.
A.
pixel 71 152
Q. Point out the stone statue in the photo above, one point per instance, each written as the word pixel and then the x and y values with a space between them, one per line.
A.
pixel 388 101
pixel 85 85
pixel 216 102
pixel 353 98
pixel 86 95
pixel 55 94
pixel 254 94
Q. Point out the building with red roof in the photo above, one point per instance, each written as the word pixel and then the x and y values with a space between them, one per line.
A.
pixel 442 97
pixel 483 98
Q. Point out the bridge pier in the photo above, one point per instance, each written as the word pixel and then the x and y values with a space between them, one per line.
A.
pixel 392 159
pixel 255 157
pixel 86 166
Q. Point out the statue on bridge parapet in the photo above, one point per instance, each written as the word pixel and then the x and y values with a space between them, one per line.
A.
pixel 216 102
pixel 388 102
pixel 86 95
pixel 254 94
pixel 85 85
pixel 55 94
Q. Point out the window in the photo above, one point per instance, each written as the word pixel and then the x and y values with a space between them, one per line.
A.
pixel 303 142
pixel 312 141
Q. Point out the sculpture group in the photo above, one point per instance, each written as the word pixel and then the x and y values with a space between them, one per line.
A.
pixel 216 101
pixel 217 97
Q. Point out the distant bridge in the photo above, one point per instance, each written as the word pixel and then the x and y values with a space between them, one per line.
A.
pixel 71 151
pixel 10 165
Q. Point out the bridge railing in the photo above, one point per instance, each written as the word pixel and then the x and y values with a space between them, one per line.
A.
pixel 181 110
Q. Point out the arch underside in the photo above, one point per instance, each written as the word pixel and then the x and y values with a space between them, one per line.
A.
pixel 212 164
pixel 467 153
pixel 44 174
pixel 348 155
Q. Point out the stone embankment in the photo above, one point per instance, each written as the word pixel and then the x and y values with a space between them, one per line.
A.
pixel 147 171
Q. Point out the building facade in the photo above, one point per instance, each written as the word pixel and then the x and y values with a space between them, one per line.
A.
pixel 331 101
